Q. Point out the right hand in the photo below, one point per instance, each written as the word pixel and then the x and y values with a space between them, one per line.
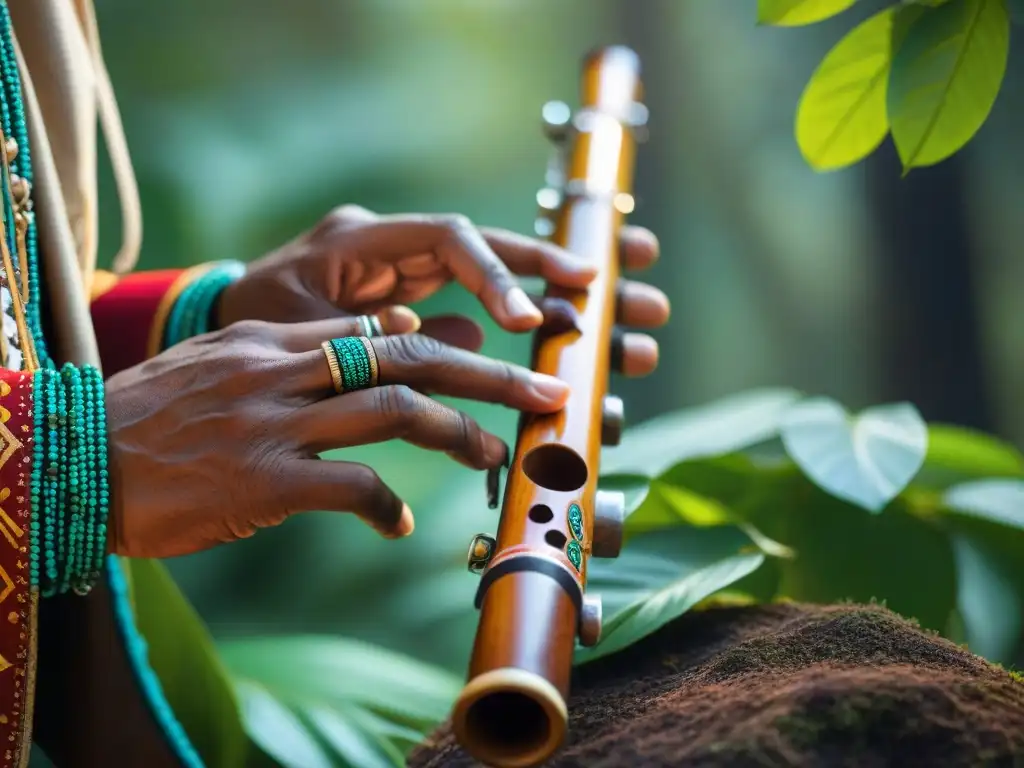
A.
pixel 220 435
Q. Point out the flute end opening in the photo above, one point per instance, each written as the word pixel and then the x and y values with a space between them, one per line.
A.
pixel 510 718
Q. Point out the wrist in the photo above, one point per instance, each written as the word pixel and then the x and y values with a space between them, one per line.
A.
pixel 70 482
pixel 220 311
pixel 198 308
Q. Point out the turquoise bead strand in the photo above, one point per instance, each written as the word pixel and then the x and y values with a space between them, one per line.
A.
pixel 70 493
pixel 13 120
pixel 95 458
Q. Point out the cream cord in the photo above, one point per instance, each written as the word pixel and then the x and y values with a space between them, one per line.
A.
pixel 117 147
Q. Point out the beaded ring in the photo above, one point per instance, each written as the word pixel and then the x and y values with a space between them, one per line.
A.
pixel 353 363
pixel 371 325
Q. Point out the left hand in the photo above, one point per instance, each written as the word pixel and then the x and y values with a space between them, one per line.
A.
pixel 359 262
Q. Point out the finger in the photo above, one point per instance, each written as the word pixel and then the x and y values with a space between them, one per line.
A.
pixel 427 365
pixel 539 258
pixel 395 412
pixel 455 330
pixel 300 337
pixel 641 305
pixel 341 486
pixel 464 251
pixel 639 355
pixel 638 248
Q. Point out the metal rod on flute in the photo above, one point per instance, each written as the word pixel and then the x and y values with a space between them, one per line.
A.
pixel 532 597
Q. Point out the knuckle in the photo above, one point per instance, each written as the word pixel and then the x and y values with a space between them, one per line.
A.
pixel 455 223
pixel 369 490
pixel 397 403
pixel 250 330
pixel 339 219
pixel 507 374
pixel 414 348
pixel 467 429
pixel 347 214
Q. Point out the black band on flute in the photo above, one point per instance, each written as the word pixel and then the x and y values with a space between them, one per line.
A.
pixel 618 349
pixel 541 565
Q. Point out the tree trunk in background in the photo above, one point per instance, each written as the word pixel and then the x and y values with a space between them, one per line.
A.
pixel 928 332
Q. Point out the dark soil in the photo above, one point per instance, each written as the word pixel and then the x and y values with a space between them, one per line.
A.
pixel 786 685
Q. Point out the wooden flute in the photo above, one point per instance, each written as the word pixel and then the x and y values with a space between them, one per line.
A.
pixel 532 600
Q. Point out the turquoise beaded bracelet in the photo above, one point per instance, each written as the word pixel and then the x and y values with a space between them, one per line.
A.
pixel 192 314
pixel 70 484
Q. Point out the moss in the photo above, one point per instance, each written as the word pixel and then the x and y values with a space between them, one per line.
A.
pixel 791 685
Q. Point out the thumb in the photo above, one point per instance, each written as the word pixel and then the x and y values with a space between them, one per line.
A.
pixel 342 486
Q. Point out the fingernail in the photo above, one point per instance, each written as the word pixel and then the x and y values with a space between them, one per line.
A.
pixel 403 320
pixel 549 388
pixel 406 523
pixel 639 354
pixel 519 304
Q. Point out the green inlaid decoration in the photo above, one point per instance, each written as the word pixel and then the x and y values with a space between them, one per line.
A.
pixel 575 554
pixel 576 521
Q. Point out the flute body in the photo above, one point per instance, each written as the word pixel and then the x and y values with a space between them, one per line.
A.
pixel 532 599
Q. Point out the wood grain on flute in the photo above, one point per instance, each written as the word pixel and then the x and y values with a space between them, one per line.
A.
pixel 533 606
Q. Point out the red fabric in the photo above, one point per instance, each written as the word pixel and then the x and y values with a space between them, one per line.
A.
pixel 123 317
pixel 16 601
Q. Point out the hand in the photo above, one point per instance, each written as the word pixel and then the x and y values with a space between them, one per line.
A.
pixel 357 262
pixel 220 435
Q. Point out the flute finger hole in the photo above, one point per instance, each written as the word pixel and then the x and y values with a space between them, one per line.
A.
pixel 555 539
pixel 541 513
pixel 555 468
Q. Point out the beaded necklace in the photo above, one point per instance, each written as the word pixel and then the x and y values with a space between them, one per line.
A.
pixel 21 276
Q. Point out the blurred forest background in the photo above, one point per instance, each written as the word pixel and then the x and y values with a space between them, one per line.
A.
pixel 249 119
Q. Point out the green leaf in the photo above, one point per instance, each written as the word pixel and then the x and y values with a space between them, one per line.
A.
pixel 796 13
pixel 635 487
pixel 842 118
pixel 957 455
pixel 318 671
pixel 659 576
pixel 865 460
pixel 945 78
pixel 999 501
pixel 336 700
pixel 351 740
pixel 706 492
pixel 724 426
pixel 279 731
pixel 654 610
pixel 986 519
pixel 185 660
pixel 988 600
pixel 843 554
pixel 696 492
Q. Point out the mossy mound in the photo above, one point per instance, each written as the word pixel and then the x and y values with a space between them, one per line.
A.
pixel 786 685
